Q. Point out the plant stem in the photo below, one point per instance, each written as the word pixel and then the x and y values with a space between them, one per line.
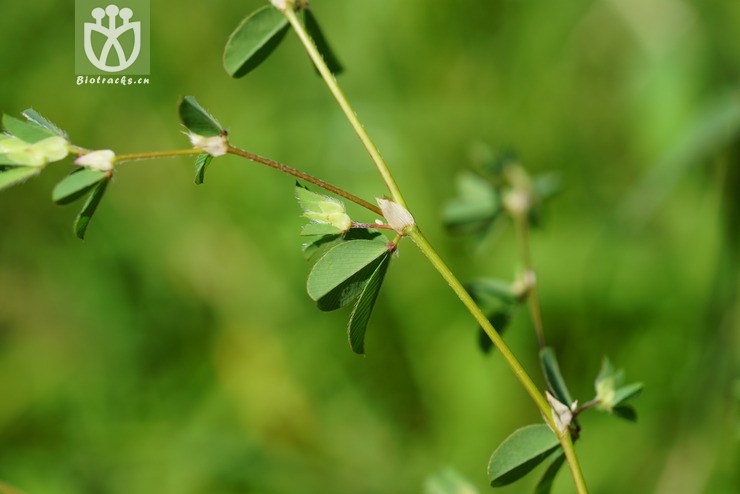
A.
pixel 157 154
pixel 533 300
pixel 306 177
pixel 336 91
pixel 433 257
pixel 505 351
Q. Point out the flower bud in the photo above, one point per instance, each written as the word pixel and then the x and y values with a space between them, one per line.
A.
pixel 216 145
pixel 101 160
pixel 397 216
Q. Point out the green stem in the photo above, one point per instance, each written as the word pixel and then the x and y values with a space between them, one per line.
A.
pixel 306 177
pixel 507 354
pixel 336 91
pixel 433 257
pixel 533 299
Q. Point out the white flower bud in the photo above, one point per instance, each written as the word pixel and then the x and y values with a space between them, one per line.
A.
pixel 101 160
pixel 562 415
pixel 397 216
pixel 280 4
pixel 215 145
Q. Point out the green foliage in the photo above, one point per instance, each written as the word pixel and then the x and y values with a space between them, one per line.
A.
pixel 76 184
pixel 30 131
pixel 521 452
pixel 544 486
pixel 316 244
pixel 88 210
pixel 323 210
pixel 314 30
pixel 448 481
pixel 341 274
pixel 11 176
pixel 254 40
pixel 555 381
pixel 476 207
pixel 364 307
pixel 612 395
pixel 497 299
pixel 197 120
pixel 35 117
pixel 201 164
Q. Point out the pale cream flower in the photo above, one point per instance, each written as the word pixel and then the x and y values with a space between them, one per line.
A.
pixel 101 160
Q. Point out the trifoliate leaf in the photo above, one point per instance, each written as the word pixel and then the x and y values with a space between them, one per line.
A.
pixel 521 452
pixel 74 185
pixel 197 120
pixel 88 210
pixel 340 275
pixel 254 40
pixel 201 164
pixel 364 307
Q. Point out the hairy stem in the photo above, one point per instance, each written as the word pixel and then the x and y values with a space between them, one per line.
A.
pixel 157 154
pixel 306 177
pixel 533 300
pixel 336 91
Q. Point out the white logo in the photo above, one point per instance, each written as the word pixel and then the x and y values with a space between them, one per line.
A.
pixel 112 32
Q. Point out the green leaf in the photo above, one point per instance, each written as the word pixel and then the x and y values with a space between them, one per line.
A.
pixel 197 120
pixel 554 378
pixel 319 229
pixel 15 175
pixel 500 322
pixel 448 481
pixel 74 185
pixel 520 453
pixel 201 163
pixel 36 118
pixel 254 40
pixel 627 393
pixel 29 132
pixel 544 486
pixel 320 243
pixel 317 243
pixel 626 412
pixel 339 276
pixel 88 210
pixel 314 30
pixel 364 307
pixel 484 289
pixel 477 205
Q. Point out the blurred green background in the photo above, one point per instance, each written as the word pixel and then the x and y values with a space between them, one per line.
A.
pixel 176 351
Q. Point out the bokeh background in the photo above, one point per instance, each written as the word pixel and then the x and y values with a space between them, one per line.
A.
pixel 176 351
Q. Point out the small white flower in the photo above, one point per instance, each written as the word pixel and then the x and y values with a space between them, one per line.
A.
pixel 215 146
pixel 397 216
pixel 101 160
pixel 562 414
pixel 280 4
